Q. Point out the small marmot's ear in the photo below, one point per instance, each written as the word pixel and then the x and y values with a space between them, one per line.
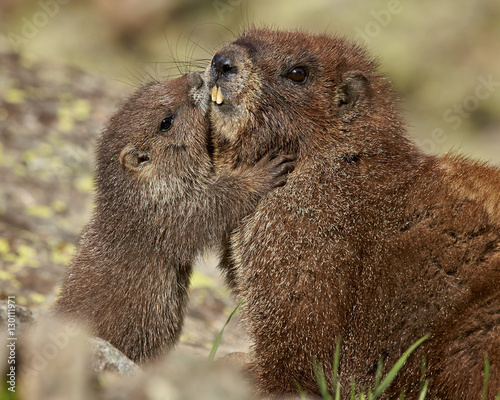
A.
pixel 134 159
pixel 352 88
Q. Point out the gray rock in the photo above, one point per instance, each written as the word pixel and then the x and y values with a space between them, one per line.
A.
pixel 23 315
pixel 59 362
pixel 106 358
pixel 181 377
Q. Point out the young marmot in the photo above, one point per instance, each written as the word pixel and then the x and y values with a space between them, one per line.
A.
pixel 370 240
pixel 158 204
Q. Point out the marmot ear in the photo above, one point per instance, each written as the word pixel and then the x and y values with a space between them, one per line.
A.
pixel 134 159
pixel 353 87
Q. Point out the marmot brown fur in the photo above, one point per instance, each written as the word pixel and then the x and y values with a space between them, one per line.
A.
pixel 370 240
pixel 158 205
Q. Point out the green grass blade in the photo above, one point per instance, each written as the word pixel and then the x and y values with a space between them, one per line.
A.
pixel 321 380
pixel 378 375
pixel 302 392
pixel 423 391
pixel 423 372
pixel 353 389
pixel 336 363
pixel 486 377
pixel 211 357
pixel 391 375
pixel 337 391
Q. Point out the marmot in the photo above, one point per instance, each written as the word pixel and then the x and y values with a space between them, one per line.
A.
pixel 370 240
pixel 158 204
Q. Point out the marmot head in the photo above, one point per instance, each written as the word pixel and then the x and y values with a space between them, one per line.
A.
pixel 274 90
pixel 152 139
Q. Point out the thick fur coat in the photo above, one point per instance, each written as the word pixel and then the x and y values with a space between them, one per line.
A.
pixel 370 240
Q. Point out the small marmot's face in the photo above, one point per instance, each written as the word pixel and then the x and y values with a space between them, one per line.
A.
pixel 281 85
pixel 155 131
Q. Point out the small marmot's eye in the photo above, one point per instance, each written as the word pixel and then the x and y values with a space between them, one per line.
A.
pixel 166 124
pixel 297 74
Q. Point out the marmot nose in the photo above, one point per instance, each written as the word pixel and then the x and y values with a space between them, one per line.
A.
pixel 223 65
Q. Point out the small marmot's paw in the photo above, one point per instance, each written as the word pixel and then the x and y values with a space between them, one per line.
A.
pixel 279 167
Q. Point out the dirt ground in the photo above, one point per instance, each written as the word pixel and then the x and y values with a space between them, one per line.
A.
pixel 50 116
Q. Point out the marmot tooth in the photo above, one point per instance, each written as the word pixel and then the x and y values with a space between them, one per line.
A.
pixel 220 97
pixel 214 93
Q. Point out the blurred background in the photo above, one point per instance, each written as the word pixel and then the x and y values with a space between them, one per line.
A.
pixel 66 64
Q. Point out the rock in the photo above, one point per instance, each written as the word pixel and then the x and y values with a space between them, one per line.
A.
pixel 181 377
pixel 54 363
pixel 23 316
pixel 58 361
pixel 106 358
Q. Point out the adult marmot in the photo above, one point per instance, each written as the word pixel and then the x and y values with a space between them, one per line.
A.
pixel 370 240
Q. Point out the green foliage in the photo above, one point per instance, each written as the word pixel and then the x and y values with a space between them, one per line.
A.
pixel 391 375
pixel 5 393
pixel 486 377
pixel 302 392
pixel 321 380
pixel 380 384
pixel 335 381
pixel 211 357
pixel 423 390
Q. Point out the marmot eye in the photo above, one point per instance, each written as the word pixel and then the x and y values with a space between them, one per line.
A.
pixel 166 124
pixel 297 74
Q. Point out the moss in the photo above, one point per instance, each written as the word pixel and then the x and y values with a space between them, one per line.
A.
pixel 27 256
pixel 39 211
pixel 36 298
pixel 58 206
pixel 6 276
pixel 14 96
pixel 66 122
pixel 62 253
pixel 19 169
pixel 85 184
pixel 81 109
pixel 71 110
pixel 4 246
pixel 201 280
